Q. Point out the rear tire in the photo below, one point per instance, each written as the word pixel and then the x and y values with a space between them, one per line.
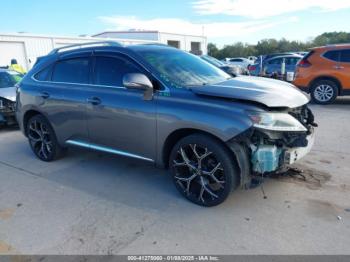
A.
pixel 203 170
pixel 324 92
pixel 42 139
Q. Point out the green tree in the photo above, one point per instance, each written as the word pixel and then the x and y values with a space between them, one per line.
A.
pixel 213 50
pixel 268 46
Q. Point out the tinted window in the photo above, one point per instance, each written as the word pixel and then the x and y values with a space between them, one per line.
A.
pixel 44 75
pixel 345 56
pixel 72 71
pixel 9 79
pixel 277 61
pixel 109 71
pixel 292 60
pixel 332 55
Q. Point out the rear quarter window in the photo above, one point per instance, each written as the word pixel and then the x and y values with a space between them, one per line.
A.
pixel 332 55
pixel 44 74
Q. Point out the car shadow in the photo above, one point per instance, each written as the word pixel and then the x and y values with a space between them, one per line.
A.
pixel 11 128
pixel 342 101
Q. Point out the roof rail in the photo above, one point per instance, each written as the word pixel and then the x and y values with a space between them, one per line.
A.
pixel 157 44
pixel 82 45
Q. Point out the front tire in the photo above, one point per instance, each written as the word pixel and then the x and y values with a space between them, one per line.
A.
pixel 203 170
pixel 324 92
pixel 42 139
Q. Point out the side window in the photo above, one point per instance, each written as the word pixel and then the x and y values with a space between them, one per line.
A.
pixel 5 80
pixel 345 56
pixel 109 71
pixel 332 55
pixel 44 75
pixel 276 61
pixel 292 61
pixel 74 70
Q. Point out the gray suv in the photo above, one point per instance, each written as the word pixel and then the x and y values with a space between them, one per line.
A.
pixel 162 105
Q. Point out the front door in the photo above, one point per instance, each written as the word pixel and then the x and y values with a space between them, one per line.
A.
pixel 119 119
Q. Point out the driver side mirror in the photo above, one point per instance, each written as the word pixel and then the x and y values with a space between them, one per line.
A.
pixel 139 81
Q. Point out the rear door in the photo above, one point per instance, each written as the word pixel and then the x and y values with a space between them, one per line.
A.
pixel 274 66
pixel 344 69
pixel 119 118
pixel 64 96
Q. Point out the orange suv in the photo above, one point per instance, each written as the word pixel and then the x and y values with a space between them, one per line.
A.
pixel 325 73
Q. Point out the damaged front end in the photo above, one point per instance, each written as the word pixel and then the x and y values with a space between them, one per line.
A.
pixel 7 111
pixel 277 139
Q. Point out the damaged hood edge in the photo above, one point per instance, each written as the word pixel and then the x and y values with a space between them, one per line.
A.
pixel 269 92
pixel 8 93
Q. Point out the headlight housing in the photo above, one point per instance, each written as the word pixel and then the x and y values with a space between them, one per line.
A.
pixel 276 122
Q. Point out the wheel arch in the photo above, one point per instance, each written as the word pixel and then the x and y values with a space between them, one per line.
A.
pixel 177 135
pixel 237 151
pixel 330 78
pixel 28 115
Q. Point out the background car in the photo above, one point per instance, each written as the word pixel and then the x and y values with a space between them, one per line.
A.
pixel 269 56
pixel 240 61
pixel 325 73
pixel 8 80
pixel 233 70
pixel 273 66
pixel 252 59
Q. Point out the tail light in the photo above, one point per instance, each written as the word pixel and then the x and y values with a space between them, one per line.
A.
pixel 252 67
pixel 305 61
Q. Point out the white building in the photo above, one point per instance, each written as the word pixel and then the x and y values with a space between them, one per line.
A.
pixel 26 48
pixel 190 43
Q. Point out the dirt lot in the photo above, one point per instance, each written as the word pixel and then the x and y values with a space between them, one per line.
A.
pixel 92 203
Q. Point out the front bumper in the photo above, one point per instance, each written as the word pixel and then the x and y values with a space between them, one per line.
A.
pixel 273 156
pixel 293 155
pixel 7 112
pixel 7 118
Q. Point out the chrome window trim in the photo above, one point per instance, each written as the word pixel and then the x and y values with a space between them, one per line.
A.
pixel 107 150
pixel 78 84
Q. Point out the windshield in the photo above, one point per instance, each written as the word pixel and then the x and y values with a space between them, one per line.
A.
pixel 213 61
pixel 182 69
pixel 9 78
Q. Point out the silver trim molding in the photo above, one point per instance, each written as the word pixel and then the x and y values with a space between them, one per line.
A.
pixel 106 149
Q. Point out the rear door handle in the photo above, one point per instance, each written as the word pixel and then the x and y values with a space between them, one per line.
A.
pixel 94 101
pixel 338 67
pixel 45 95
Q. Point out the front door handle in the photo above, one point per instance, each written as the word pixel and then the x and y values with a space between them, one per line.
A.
pixel 94 101
pixel 338 67
pixel 45 95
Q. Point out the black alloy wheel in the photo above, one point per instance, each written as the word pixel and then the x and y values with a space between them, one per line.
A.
pixel 42 139
pixel 203 170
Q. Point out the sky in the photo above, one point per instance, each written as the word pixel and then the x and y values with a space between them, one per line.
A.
pixel 222 21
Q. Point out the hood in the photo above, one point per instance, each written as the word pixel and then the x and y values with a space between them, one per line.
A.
pixel 9 93
pixel 269 92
